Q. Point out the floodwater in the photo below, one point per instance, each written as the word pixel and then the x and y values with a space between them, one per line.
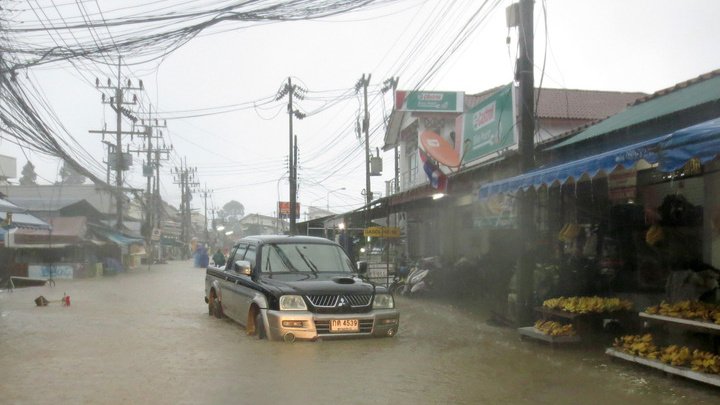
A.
pixel 145 337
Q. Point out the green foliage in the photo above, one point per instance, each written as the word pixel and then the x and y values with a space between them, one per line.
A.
pixel 29 177
pixel 68 175
pixel 232 211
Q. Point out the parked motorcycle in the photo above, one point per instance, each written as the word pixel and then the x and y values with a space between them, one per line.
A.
pixel 418 280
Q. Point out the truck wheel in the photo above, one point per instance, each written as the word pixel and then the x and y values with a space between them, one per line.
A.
pixel 217 308
pixel 214 307
pixel 259 327
pixel 211 303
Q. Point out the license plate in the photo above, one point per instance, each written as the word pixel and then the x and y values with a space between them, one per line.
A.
pixel 344 325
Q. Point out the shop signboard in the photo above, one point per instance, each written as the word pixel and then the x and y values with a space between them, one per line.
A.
pixel 382 232
pixel 284 209
pixel 489 127
pixel 430 101
pixel 55 271
pixel 622 185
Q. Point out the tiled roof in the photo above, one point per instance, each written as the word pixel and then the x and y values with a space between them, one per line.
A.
pixel 572 104
pixel 682 96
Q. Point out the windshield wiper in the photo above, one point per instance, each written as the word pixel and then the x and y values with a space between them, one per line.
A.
pixel 307 261
pixel 284 259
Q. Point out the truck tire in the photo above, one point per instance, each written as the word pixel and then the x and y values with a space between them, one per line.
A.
pixel 214 307
pixel 259 327
pixel 217 310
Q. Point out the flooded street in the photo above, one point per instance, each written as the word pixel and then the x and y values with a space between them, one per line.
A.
pixel 145 337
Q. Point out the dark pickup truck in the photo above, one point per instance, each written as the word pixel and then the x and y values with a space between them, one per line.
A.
pixel 298 287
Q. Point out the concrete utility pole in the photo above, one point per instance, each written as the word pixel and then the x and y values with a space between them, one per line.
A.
pixel 118 104
pixel 363 83
pixel 291 91
pixel 185 177
pixel 526 225
pixel 205 193
pixel 392 83
pixel 153 152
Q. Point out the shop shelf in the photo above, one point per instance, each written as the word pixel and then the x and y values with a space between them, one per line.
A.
pixel 531 332
pixel 707 327
pixel 711 379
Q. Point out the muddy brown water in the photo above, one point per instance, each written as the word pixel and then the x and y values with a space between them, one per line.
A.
pixel 145 337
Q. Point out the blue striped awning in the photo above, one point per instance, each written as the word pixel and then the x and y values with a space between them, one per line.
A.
pixel 670 152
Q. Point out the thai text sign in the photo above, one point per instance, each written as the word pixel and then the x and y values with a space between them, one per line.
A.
pixel 430 101
pixel 489 126
pixel 382 232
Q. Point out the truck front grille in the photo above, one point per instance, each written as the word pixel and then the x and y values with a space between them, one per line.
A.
pixel 332 301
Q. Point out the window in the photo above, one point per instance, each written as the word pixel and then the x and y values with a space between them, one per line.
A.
pixel 250 255
pixel 237 254
pixel 311 258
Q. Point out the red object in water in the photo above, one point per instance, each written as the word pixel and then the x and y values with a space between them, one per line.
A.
pixel 67 300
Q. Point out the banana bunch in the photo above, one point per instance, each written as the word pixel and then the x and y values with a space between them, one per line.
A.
pixel 705 362
pixel 675 355
pixel 680 356
pixel 552 328
pixel 694 310
pixel 654 235
pixel 569 232
pixel 638 345
pixel 692 167
pixel 584 305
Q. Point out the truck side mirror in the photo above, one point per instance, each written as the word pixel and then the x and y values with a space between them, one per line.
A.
pixel 243 267
pixel 362 267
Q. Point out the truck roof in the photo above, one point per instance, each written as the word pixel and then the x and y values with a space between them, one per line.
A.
pixel 286 239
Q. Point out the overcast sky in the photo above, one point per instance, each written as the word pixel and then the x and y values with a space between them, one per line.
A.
pixel 623 45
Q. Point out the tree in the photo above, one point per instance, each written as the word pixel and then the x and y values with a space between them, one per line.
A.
pixel 233 210
pixel 68 175
pixel 29 176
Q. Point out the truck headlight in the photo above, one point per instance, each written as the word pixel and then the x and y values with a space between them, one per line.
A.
pixel 292 303
pixel 383 301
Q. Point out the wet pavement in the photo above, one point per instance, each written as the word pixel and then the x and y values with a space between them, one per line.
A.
pixel 145 337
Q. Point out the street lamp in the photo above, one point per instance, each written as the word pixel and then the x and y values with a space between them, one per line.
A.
pixel 327 208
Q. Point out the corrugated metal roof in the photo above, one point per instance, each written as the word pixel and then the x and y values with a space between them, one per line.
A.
pixel 701 90
pixel 7 206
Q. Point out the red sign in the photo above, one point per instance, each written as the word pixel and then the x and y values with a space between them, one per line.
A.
pixel 284 209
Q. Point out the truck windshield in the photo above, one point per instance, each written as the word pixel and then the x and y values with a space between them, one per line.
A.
pixel 311 258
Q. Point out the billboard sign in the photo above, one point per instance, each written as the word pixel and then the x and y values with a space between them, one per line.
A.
pixel 489 127
pixel 8 167
pixel 430 101
pixel 284 209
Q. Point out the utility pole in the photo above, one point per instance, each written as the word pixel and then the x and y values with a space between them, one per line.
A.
pixel 363 83
pixel 526 225
pixel 388 84
pixel 185 177
pixel 118 103
pixel 153 150
pixel 204 193
pixel 291 91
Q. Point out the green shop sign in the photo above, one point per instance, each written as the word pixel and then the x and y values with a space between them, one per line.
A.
pixel 489 126
pixel 430 101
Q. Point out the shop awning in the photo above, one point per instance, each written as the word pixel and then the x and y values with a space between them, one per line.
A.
pixel 117 237
pixel 700 141
pixel 671 152
pixel 606 162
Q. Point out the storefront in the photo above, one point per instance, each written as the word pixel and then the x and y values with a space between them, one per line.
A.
pixel 621 221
